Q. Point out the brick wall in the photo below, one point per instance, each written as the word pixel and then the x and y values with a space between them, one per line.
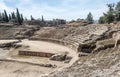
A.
pixel 33 53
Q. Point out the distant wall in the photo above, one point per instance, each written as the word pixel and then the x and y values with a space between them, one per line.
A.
pixel 34 53
pixel 7 38
pixel 32 22
pixel 61 42
pixel 6 24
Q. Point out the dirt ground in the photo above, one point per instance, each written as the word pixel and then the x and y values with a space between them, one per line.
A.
pixel 16 69
pixel 42 46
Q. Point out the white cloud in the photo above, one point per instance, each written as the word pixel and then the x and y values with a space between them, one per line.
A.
pixel 65 10
pixel 3 7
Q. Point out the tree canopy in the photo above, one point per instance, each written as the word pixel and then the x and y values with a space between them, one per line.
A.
pixel 112 15
pixel 90 18
pixel 13 17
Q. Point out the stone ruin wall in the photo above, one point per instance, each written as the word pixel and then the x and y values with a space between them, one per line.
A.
pixel 69 45
pixel 35 53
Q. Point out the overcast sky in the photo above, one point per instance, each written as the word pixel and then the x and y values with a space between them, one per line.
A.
pixel 66 9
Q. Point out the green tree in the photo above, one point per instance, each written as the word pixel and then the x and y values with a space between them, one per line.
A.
pixel 6 16
pixel 42 19
pixel 25 19
pixel 22 19
pixel 117 11
pixel 0 16
pixel 102 20
pixel 109 17
pixel 90 18
pixel 10 17
pixel 111 7
pixel 18 17
pixel 13 15
pixel 3 17
pixel 32 17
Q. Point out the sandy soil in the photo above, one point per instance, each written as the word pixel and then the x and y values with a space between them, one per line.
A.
pixel 16 69
pixel 42 46
pixel 3 53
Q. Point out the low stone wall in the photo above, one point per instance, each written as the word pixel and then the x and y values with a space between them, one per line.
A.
pixel 61 42
pixel 104 44
pixel 10 38
pixel 34 53
pixel 9 44
pixel 98 46
pixel 86 48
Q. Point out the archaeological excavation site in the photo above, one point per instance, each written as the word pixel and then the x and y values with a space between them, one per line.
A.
pixel 48 51
pixel 42 39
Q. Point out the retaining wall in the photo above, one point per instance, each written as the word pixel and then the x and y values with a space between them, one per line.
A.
pixel 8 44
pixel 34 53
pixel 8 38
pixel 86 48
pixel 61 42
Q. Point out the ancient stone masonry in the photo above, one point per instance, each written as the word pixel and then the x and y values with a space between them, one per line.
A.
pixel 9 44
pixel 95 47
pixel 58 57
pixel 104 44
pixel 87 48
pixel 34 53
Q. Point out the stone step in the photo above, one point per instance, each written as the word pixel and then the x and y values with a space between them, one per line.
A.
pixel 80 54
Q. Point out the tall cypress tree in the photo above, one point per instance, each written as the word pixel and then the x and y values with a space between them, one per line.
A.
pixel 18 17
pixel 3 17
pixel 90 18
pixel 42 19
pixel 6 16
pixel 22 19
pixel 32 17
pixel 10 17
pixel 0 16
pixel 13 15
